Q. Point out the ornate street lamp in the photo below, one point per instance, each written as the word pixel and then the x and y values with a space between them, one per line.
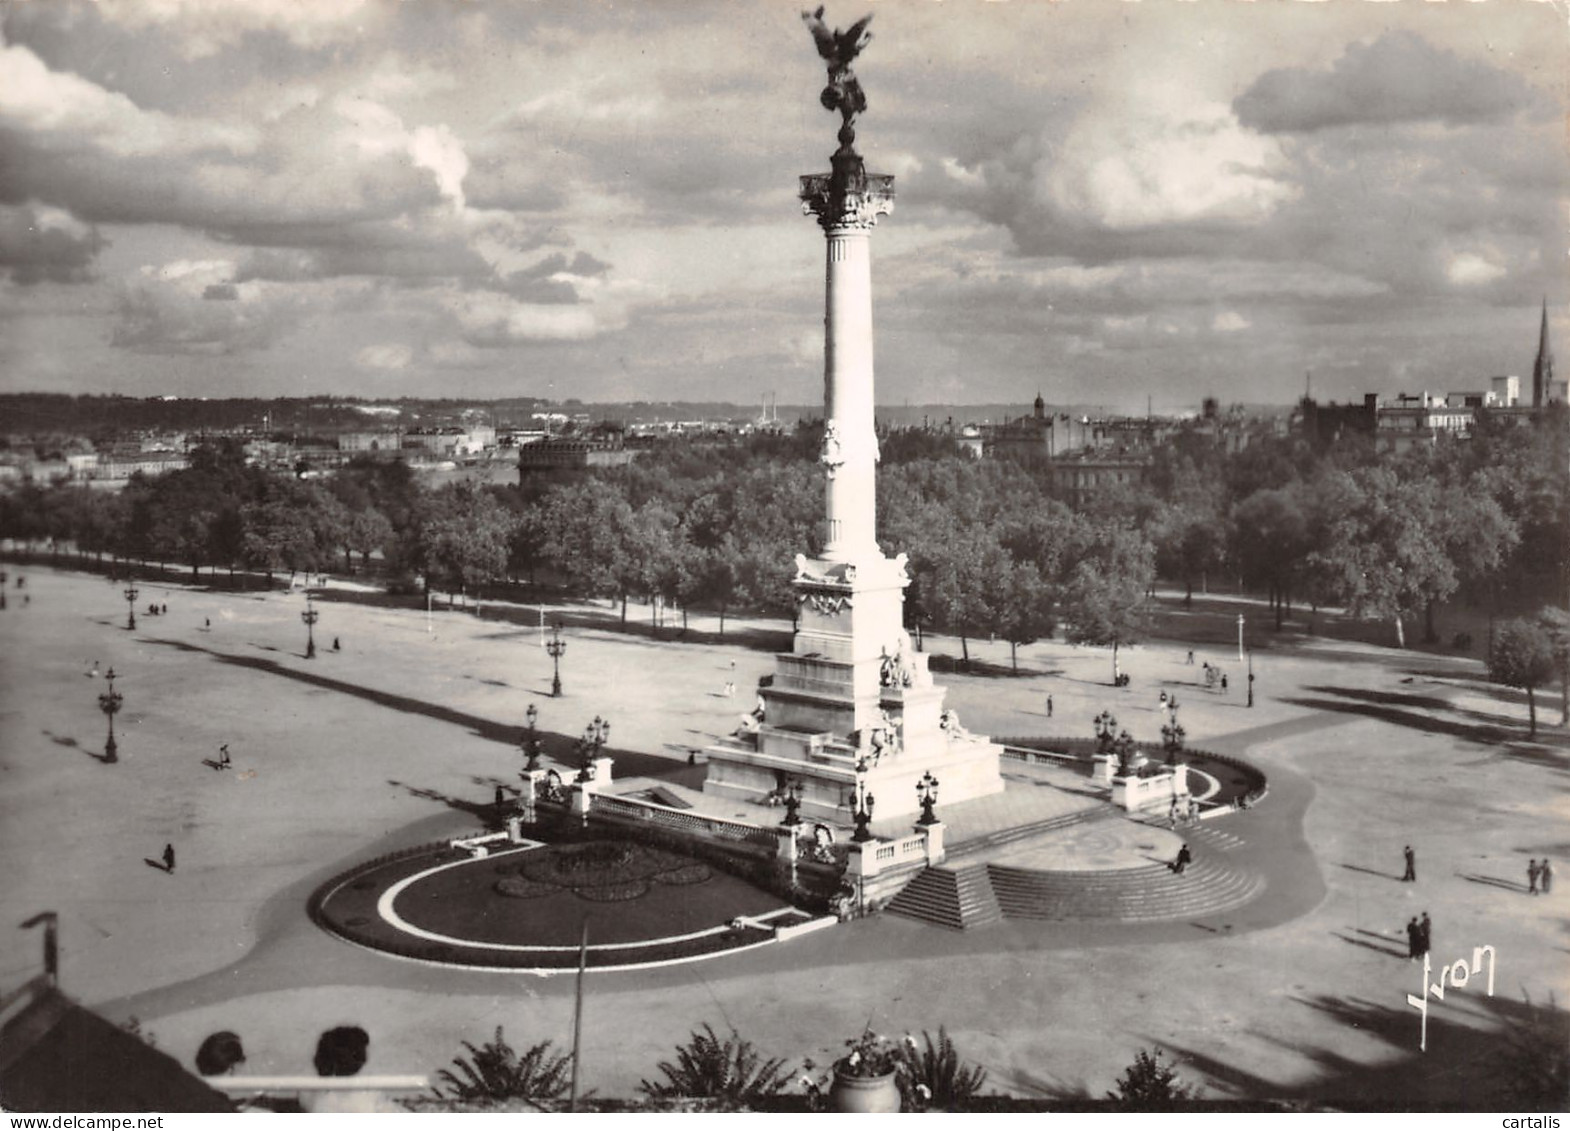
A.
pixel 927 794
pixel 310 617
pixel 109 703
pixel 862 813
pixel 1172 736
pixel 1106 730
pixel 131 594
pixel 1124 749
pixel 556 647
pixel 792 805
pixel 589 746
pixel 531 740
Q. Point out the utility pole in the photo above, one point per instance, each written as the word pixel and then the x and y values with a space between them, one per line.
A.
pixel 577 1018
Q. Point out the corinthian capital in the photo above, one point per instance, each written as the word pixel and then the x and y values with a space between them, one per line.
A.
pixel 847 205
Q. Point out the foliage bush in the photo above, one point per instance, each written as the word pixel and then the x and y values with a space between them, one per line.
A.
pixel 1150 1084
pixel 494 1071
pixel 933 1076
pixel 708 1067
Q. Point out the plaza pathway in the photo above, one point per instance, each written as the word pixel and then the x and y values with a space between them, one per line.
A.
pixel 402 735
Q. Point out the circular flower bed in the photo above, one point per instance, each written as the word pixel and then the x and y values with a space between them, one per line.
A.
pixel 599 871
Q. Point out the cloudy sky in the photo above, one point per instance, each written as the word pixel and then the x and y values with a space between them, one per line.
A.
pixel 1103 200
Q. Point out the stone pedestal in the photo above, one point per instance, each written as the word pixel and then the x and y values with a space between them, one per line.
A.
pixel 1160 789
pixel 935 849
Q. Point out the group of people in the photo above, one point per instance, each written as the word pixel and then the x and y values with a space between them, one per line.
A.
pixel 1418 936
pixel 1213 675
pixel 1539 877
pixel 157 610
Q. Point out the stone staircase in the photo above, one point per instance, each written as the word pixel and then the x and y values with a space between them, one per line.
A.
pixel 1011 837
pixel 958 898
pixel 1144 894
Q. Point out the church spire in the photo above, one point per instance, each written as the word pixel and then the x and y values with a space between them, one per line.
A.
pixel 1543 368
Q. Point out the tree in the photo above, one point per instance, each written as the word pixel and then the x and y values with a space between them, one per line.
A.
pixel 1384 548
pixel 1150 1084
pixel 1025 613
pixel 1556 623
pixel 464 537
pixel 1102 602
pixel 364 534
pixel 1522 655
pixel 1271 541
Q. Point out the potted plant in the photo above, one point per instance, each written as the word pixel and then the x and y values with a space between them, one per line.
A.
pixel 866 1076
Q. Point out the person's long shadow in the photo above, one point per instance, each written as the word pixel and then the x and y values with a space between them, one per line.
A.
pixel 1385 950
pixel 1371 872
pixel 629 763
pixel 473 808
pixel 1494 881
pixel 72 744
pixel 159 864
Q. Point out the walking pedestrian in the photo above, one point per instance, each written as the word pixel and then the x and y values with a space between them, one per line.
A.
pixel 223 756
pixel 1183 859
pixel 1049 706
pixel 1411 865
pixel 1191 657
pixel 1546 875
pixel 1531 877
pixel 1426 941
pixel 1172 815
pixel 1414 939
pixel 1223 683
pixel 207 622
pixel 336 646
pixel 169 858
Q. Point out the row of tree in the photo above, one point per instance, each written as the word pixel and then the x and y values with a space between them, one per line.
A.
pixel 993 550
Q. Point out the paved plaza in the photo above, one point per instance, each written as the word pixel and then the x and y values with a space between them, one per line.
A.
pixel 401 735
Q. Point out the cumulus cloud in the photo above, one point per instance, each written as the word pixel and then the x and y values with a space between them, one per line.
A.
pixel 51 107
pixel 1399 77
pixel 1469 270
pixel 42 244
pixel 391 355
pixel 205 27
pixel 1166 164
pixel 492 319
pixel 151 316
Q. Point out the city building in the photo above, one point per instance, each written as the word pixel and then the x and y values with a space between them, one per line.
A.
pixel 573 453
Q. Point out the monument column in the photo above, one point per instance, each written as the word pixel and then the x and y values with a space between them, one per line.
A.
pixel 847 213
pixel 851 710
